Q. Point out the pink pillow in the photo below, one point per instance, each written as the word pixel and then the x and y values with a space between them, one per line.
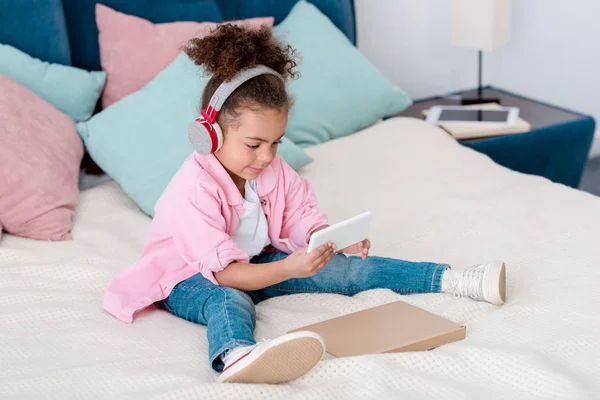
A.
pixel 40 156
pixel 134 50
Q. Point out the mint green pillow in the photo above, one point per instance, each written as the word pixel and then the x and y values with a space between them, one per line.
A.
pixel 339 91
pixel 141 140
pixel 72 90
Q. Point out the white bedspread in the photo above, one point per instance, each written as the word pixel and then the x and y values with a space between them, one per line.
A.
pixel 432 200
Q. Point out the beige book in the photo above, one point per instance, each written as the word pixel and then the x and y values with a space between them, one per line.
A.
pixel 393 327
pixel 474 132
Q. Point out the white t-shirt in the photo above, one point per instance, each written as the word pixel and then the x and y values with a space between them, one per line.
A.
pixel 252 235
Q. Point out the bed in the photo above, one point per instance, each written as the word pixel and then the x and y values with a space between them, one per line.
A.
pixel 433 200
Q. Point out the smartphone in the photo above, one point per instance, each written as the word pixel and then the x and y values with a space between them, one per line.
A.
pixel 343 234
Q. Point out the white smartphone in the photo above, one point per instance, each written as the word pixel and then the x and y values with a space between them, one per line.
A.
pixel 342 234
pixel 462 115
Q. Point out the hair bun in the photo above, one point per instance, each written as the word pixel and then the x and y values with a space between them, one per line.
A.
pixel 230 48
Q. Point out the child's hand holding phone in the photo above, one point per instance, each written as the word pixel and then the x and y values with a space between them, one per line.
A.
pixel 361 248
pixel 301 264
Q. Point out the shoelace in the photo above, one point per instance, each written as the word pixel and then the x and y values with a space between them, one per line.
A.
pixel 469 283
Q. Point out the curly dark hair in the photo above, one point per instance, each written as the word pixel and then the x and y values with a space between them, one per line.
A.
pixel 231 48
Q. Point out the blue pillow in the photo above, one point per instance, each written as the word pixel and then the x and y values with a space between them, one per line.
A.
pixel 141 140
pixel 339 91
pixel 36 27
pixel 83 32
pixel 72 90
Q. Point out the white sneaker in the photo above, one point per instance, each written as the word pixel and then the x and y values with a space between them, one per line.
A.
pixel 483 282
pixel 283 359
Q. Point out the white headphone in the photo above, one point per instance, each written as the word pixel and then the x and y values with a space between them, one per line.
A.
pixel 204 133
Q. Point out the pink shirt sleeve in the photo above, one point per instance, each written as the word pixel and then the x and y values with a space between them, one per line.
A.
pixel 199 232
pixel 301 215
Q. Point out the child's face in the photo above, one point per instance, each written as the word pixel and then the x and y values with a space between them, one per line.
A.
pixel 250 143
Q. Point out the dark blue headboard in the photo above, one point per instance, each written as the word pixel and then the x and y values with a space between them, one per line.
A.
pixel 41 28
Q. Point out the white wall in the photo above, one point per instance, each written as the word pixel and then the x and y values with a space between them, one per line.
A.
pixel 553 54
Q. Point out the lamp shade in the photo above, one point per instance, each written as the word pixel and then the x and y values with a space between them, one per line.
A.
pixel 480 24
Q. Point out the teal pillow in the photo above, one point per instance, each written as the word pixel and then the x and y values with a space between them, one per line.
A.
pixel 141 140
pixel 72 90
pixel 339 91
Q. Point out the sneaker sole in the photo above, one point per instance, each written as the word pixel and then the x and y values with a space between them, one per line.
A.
pixel 289 357
pixel 497 286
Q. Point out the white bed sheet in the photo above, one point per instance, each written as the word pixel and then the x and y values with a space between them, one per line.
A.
pixel 432 200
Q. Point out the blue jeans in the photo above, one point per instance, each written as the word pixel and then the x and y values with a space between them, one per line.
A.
pixel 229 313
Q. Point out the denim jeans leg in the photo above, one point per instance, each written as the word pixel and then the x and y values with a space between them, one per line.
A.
pixel 351 275
pixel 228 314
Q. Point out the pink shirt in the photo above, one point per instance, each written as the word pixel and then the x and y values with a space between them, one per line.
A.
pixel 194 221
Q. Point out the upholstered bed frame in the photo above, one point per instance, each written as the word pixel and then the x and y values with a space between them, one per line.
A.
pixel 65 32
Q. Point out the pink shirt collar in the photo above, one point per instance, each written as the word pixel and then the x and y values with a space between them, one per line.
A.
pixel 265 183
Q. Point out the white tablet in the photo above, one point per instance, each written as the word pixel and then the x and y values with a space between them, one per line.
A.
pixel 343 234
pixel 469 115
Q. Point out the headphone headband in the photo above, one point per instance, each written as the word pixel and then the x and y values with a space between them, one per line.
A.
pixel 211 112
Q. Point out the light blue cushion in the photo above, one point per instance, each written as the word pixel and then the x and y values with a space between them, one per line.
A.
pixel 72 90
pixel 339 92
pixel 141 140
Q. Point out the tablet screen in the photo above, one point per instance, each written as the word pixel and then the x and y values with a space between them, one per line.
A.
pixel 474 115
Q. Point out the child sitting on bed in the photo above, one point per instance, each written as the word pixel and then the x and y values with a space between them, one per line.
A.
pixel 214 248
